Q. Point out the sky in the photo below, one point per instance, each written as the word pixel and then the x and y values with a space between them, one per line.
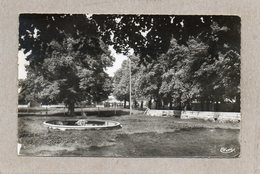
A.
pixel 119 58
pixel 21 64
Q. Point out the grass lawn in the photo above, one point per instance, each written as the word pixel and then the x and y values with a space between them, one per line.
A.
pixel 140 136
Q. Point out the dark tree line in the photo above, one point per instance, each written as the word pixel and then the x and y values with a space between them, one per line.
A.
pixel 205 70
pixel 127 31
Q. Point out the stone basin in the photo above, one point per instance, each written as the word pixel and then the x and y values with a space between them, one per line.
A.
pixel 81 124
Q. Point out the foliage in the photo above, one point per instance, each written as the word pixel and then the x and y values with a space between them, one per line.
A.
pixel 121 82
pixel 150 35
pixel 181 58
pixel 185 74
pixel 177 59
pixel 67 59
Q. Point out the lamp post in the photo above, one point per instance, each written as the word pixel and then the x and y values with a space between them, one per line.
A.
pixel 130 88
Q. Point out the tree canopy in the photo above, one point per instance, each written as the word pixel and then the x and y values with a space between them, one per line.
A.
pixel 121 82
pixel 177 59
pixel 150 35
pixel 67 59
pixel 184 74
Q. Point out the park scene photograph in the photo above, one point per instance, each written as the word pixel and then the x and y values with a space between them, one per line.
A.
pixel 114 85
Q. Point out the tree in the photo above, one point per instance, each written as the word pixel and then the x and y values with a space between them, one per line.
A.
pixel 150 35
pixel 213 69
pixel 67 59
pixel 177 85
pixel 179 58
pixel 228 83
pixel 121 83
pixel 186 73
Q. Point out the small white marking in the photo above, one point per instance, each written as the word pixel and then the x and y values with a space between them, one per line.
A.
pixel 19 146
pixel 226 150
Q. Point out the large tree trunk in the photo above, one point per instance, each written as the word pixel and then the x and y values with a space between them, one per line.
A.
pixel 237 103
pixel 188 104
pixel 207 105
pixel 158 102
pixel 71 109
pixel 178 103
pixel 124 103
pixel 164 103
pixel 150 103
pixel 171 104
pixel 135 104
pixel 202 104
pixel 217 106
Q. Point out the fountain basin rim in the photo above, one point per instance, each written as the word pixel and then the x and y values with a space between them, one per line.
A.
pixel 82 127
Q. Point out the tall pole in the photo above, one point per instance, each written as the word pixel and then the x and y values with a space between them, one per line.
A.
pixel 130 88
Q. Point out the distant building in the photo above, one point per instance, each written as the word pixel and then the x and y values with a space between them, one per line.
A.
pixel 112 102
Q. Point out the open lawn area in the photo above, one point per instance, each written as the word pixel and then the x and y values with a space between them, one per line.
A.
pixel 140 136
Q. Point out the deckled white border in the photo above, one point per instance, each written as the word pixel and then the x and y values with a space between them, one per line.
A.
pixel 250 15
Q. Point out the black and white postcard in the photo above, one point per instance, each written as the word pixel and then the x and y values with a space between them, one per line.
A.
pixel 114 85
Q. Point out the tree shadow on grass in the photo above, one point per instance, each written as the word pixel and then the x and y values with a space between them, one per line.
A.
pixel 101 113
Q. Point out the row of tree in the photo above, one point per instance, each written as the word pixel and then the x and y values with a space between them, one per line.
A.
pixel 184 74
pixel 179 58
